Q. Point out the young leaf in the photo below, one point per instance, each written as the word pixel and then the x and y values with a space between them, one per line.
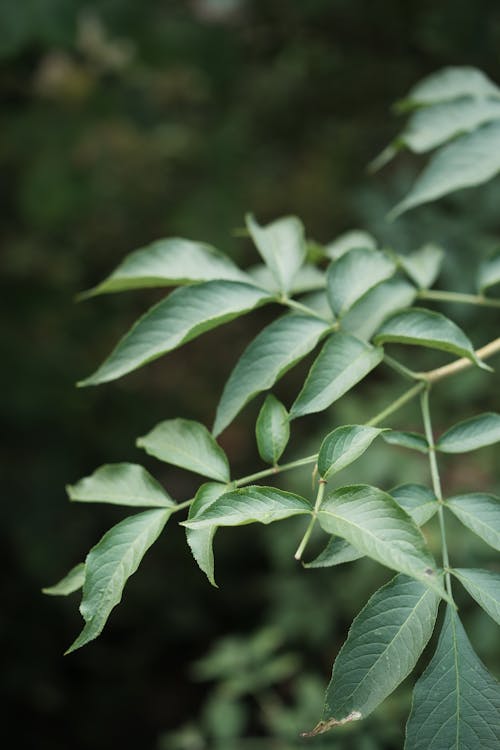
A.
pixel 489 273
pixel 484 587
pixel 369 312
pixel 384 643
pixel 448 84
pixel 480 512
pixel 282 246
pixel 412 440
pixel 183 315
pixel 188 444
pixel 308 279
pixel 272 430
pixel 200 541
pixel 469 160
pixel 110 563
pixel 273 352
pixel 456 702
pixel 343 446
pixel 249 505
pixel 71 582
pixel 418 501
pixel 336 552
pixel 343 362
pixel 348 241
pixel 169 262
pixel 376 525
pixel 352 275
pixel 471 434
pixel 423 265
pixel 422 327
pixel 120 484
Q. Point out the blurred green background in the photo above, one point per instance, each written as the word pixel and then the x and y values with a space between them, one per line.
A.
pixel 123 122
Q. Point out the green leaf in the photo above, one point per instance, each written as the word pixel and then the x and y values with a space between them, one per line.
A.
pixel 348 241
pixel 188 444
pixel 110 563
pixel 471 434
pixel 422 327
pixel 71 582
pixel 480 512
pixel 384 644
pixel 369 312
pixel 273 352
pixel 375 524
pixel 456 702
pixel 120 484
pixel 343 362
pixel 352 275
pixel 282 246
pixel 343 446
pixel 469 160
pixel 448 84
pixel 169 262
pixel 336 552
pixel 272 430
pixel 200 541
pixel 412 440
pixel 484 587
pixel 489 273
pixel 182 316
pixel 418 501
pixel 423 265
pixel 308 279
pixel 249 505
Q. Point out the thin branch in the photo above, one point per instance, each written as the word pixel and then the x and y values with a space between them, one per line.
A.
pixel 459 297
pixel 432 376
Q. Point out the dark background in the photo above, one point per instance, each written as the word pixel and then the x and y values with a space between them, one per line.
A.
pixel 125 121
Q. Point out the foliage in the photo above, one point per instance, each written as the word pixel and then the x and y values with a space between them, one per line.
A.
pixel 388 637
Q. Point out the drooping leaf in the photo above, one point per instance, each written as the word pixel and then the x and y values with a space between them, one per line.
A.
pixel 384 644
pixel 471 434
pixel 343 446
pixel 336 552
pixel 200 541
pixel 353 274
pixel 71 582
pixel 422 327
pixel 448 84
pixel 412 440
pixel 169 262
pixel 249 505
pixel 480 512
pixel 470 159
pixel 374 523
pixel 272 430
pixel 188 444
pixel 308 278
pixel 417 500
pixel 282 246
pixel 273 352
pixel 484 587
pixel 183 315
pixel 109 565
pixel 423 265
pixel 343 362
pixel 456 702
pixel 349 241
pixel 489 273
pixel 120 484
pixel 369 312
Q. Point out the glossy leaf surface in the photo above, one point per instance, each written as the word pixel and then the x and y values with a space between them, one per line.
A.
pixel 480 512
pixel 417 500
pixel 352 275
pixel 471 434
pixel 71 582
pixel 272 430
pixel 484 587
pixel 282 246
pixel 120 484
pixel 423 265
pixel 200 541
pixel 369 312
pixel 451 83
pixel 412 440
pixel 343 446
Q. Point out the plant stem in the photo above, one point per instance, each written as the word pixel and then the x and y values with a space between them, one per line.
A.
pixel 432 376
pixel 397 404
pixel 467 299
pixel 308 531
pixel 275 470
pixel 436 484
pixel 295 305
pixel 401 369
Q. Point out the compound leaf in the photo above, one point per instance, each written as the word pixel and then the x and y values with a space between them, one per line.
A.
pixel 272 430
pixel 120 484
pixel 282 246
pixel 343 446
pixel 353 274
pixel 370 311
pixel 484 587
pixel 188 444
pixel 471 434
pixel 480 512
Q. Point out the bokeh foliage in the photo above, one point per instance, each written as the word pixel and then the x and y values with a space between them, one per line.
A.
pixel 123 122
